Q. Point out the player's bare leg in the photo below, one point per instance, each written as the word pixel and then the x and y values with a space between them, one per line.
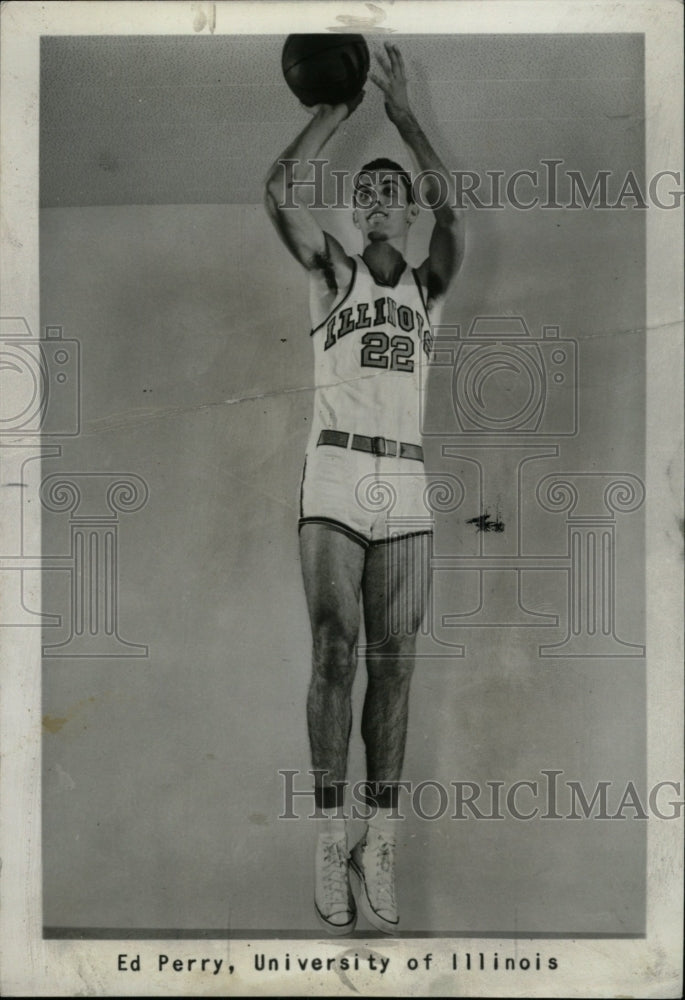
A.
pixel 332 569
pixel 395 589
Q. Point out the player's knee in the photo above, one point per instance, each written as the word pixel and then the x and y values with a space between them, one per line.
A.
pixel 333 658
pixel 399 644
pixel 393 658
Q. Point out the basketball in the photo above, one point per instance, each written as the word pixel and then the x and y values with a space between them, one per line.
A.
pixel 325 69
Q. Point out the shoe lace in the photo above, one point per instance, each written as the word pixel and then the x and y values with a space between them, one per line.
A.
pixel 385 872
pixel 334 873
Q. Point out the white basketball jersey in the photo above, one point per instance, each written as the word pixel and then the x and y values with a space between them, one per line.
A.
pixel 371 359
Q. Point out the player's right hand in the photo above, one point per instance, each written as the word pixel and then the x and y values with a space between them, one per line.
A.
pixel 344 110
pixel 354 103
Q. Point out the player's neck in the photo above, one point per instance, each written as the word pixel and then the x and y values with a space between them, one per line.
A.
pixel 385 261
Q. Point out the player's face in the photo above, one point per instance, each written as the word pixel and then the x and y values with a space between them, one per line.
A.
pixel 383 210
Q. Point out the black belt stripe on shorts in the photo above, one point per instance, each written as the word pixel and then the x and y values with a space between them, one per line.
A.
pixel 379 446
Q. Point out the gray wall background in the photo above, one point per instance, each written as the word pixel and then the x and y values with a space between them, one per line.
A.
pixel 161 792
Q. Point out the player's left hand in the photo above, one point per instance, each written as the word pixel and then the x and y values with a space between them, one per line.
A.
pixel 393 82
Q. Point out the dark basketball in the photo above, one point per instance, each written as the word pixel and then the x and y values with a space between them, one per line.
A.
pixel 325 69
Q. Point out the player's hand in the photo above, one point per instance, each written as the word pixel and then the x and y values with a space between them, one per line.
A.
pixel 392 81
pixel 354 103
pixel 340 111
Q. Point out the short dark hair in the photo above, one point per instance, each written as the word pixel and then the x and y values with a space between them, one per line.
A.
pixel 383 165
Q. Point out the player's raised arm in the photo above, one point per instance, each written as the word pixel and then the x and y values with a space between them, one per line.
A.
pixel 446 249
pixel 286 198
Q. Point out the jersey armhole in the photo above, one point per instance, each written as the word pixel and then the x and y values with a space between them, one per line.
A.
pixel 421 294
pixel 337 305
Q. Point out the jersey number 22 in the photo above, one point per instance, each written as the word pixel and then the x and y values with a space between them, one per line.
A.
pixel 379 351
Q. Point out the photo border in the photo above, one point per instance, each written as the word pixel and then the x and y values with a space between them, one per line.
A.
pixel 32 965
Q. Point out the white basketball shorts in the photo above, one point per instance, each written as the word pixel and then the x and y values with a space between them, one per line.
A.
pixel 371 498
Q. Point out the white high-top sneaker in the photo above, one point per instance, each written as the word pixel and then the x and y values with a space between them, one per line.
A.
pixel 333 899
pixel 372 862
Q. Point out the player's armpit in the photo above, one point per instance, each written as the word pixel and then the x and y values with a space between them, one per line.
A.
pixel 330 280
pixel 333 266
pixel 445 256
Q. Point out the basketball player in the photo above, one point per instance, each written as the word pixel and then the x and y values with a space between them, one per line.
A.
pixel 371 318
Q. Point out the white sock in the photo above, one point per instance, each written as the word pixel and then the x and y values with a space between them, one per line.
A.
pixel 384 821
pixel 333 824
